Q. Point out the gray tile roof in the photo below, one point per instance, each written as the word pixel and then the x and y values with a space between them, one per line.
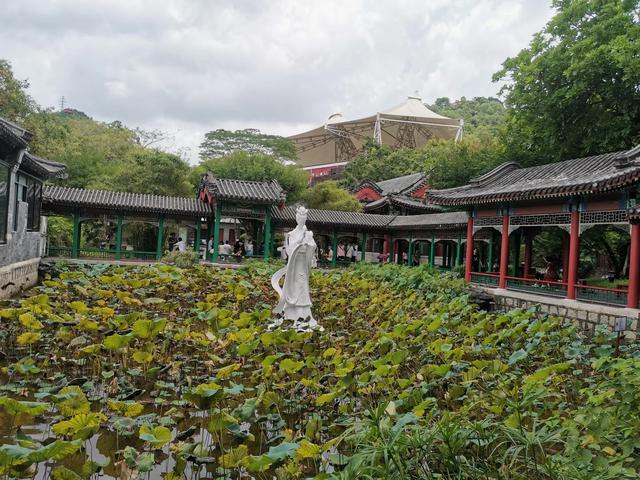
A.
pixel 580 176
pixel 14 134
pixel 402 201
pixel 43 168
pixel 287 216
pixel 61 198
pixel 404 184
pixel 429 221
pixel 243 190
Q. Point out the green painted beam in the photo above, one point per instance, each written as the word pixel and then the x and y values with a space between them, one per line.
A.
pixel 432 251
pixel 160 239
pixel 216 234
pixel 119 238
pixel 75 239
pixel 410 253
pixel 196 243
pixel 267 233
pixel 334 248
pixel 363 253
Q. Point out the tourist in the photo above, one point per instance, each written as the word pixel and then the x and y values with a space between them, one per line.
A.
pixel 227 249
pixel 181 246
pixel 416 258
pixel 382 257
pixel 551 272
pixel 248 248
pixel 330 254
pixel 171 241
pixel 476 264
pixel 341 252
pixel 349 252
pixel 354 253
pixel 405 258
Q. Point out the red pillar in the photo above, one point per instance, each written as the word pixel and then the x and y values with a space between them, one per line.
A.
pixel 528 247
pixel 468 261
pixel 565 258
pixel 504 252
pixel 634 267
pixel 574 255
pixel 385 245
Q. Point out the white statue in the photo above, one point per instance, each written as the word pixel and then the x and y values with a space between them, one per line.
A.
pixel 295 301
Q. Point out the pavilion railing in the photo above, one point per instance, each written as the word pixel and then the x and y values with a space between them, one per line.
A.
pixel 490 279
pixel 137 255
pixel 607 296
pixel 540 287
pixel 97 253
pixel 59 251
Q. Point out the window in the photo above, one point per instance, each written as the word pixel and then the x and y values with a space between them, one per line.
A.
pixel 21 196
pixel 5 173
pixel 34 198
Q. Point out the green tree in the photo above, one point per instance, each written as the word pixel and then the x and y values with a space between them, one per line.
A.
pixel 380 162
pixel 15 104
pixel 257 167
pixel 484 117
pixel 152 171
pixel 574 90
pixel 330 196
pixel 450 164
pixel 446 162
pixel 220 143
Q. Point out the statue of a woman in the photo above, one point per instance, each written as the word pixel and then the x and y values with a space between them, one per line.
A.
pixel 295 301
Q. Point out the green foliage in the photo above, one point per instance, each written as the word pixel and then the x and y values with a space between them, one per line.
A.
pixel 184 259
pixel 257 167
pixel 484 117
pixel 15 103
pixel 574 90
pixel 330 196
pixel 407 380
pixel 446 162
pixel 380 162
pixel 220 143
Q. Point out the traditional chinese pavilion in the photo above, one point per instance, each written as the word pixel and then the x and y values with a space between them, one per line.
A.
pixel 510 206
pixel 397 196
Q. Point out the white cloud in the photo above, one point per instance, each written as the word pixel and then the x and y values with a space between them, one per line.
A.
pixel 278 65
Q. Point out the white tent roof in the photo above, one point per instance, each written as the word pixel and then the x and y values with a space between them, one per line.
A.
pixel 410 124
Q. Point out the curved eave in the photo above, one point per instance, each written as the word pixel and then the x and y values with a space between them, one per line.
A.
pixel 537 194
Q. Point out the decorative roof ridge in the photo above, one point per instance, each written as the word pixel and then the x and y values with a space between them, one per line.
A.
pixel 628 158
pixel 491 175
pixel 366 183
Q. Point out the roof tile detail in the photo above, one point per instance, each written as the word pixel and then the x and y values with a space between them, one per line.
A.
pixel 134 202
pixel 580 176
pixel 243 190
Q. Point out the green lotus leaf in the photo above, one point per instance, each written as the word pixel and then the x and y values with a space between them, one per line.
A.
pixel 158 437
pixel 15 407
pixel 116 341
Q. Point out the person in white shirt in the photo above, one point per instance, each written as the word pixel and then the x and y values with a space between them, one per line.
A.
pixel 349 251
pixel 248 248
pixel 181 246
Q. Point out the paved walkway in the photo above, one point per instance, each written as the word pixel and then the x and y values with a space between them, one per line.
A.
pixel 112 261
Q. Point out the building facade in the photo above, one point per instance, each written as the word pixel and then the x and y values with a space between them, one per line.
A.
pixel 22 229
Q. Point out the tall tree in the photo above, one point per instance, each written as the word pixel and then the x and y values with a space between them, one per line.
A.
pixel 257 167
pixel 575 89
pixel 330 196
pixel 484 117
pixel 15 103
pixel 219 143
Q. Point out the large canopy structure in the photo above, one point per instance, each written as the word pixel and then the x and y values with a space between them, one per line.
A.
pixel 408 125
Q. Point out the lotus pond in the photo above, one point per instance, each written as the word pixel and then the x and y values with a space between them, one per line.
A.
pixel 158 372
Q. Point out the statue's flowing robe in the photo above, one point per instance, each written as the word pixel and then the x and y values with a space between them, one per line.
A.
pixel 295 300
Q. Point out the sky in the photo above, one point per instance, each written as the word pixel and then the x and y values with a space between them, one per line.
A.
pixel 282 66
